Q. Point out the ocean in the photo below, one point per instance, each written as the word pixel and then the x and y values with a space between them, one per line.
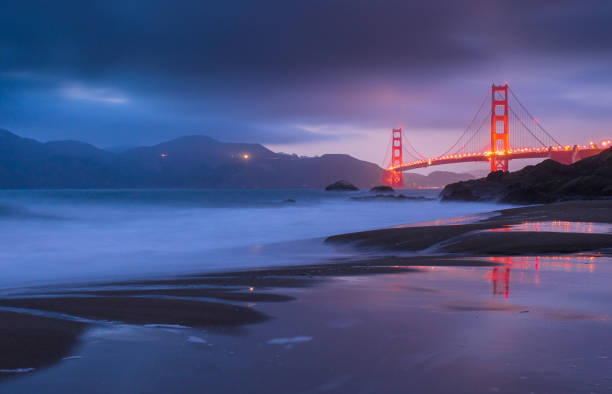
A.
pixel 54 236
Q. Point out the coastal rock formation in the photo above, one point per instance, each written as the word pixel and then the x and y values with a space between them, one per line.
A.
pixel 388 196
pixel 382 189
pixel 435 180
pixel 341 186
pixel 548 181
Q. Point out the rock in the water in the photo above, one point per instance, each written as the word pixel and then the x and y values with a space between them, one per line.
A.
pixel 392 197
pixel 548 181
pixel 341 185
pixel 290 200
pixel 382 189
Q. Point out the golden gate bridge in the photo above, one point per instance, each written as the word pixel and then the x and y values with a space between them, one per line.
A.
pixel 502 131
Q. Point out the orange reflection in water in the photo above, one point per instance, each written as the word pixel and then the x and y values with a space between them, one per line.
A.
pixel 558 227
pixel 501 281
pixel 529 269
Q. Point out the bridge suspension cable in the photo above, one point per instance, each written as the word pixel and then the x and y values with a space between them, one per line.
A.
pixel 537 123
pixel 387 152
pixel 516 117
pixel 477 146
pixel 511 136
pixel 469 126
pixel 417 155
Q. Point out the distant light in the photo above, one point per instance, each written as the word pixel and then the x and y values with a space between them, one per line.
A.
pixel 163 155
pixel 246 156
pixel 251 288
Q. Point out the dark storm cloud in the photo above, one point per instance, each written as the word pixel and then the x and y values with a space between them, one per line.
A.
pixel 199 38
pixel 257 70
pixel 196 38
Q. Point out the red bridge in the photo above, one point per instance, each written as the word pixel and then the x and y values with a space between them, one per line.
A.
pixel 513 134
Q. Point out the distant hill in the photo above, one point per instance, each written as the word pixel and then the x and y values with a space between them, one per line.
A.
pixel 187 162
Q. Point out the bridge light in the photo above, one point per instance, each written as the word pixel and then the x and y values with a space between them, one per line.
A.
pixel 163 155
pixel 246 156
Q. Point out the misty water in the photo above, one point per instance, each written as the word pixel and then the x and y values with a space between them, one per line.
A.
pixel 65 235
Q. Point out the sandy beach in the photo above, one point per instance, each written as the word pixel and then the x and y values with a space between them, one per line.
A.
pixel 48 323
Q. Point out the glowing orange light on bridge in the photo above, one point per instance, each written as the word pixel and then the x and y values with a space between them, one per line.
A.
pixel 499 151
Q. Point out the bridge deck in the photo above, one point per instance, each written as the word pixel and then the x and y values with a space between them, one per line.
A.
pixel 561 155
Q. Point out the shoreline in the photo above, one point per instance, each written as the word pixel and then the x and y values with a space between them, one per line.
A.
pixel 476 238
pixel 222 301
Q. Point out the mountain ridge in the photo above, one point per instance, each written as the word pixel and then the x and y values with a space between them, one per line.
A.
pixel 192 161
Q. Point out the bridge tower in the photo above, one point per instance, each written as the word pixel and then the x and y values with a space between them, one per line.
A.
pixel 500 134
pixel 395 178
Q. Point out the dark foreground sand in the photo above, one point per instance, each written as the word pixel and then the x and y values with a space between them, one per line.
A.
pixel 28 341
pixel 219 300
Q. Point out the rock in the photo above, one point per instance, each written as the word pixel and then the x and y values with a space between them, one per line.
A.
pixel 290 200
pixel 341 185
pixel 546 182
pixel 399 197
pixel 382 189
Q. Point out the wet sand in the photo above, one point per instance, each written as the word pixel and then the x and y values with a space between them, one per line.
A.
pixel 472 239
pixel 522 325
pixel 28 341
pixel 223 301
pixel 184 301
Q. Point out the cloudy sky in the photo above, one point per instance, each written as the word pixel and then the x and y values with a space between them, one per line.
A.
pixel 310 77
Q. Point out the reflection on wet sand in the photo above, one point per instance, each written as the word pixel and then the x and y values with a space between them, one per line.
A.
pixel 529 268
pixel 457 220
pixel 501 281
pixel 558 226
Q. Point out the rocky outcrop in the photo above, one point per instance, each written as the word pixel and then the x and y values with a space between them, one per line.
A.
pixel 548 181
pixel 396 197
pixel 382 189
pixel 378 193
pixel 341 186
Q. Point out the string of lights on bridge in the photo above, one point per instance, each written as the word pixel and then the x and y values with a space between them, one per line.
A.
pixel 485 155
pixel 509 137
